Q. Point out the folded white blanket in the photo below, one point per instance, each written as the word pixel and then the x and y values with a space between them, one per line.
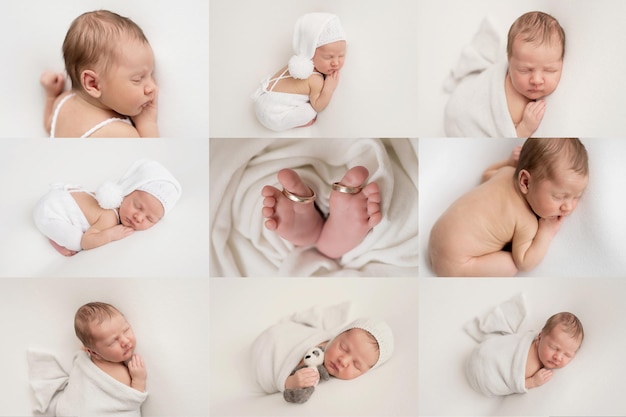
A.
pixel 477 106
pixel 497 366
pixel 242 246
pixel 86 391
pixel 279 349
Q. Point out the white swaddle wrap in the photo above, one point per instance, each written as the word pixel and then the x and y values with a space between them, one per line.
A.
pixel 86 391
pixel 477 106
pixel 497 366
pixel 279 349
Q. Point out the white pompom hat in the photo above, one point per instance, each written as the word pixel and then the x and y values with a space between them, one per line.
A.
pixel 144 175
pixel 381 332
pixel 312 31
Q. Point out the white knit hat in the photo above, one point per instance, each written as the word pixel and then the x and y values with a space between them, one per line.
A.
pixel 312 31
pixel 381 332
pixel 144 175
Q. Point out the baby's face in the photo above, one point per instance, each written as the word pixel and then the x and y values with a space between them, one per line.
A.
pixel 140 210
pixel 329 58
pixel 350 354
pixel 128 86
pixel 553 198
pixel 557 348
pixel 535 70
pixel 114 340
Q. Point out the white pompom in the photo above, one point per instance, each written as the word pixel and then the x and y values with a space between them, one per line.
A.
pixel 300 67
pixel 109 195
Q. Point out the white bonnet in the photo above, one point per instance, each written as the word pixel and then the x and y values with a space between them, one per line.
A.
pixel 312 31
pixel 144 175
pixel 381 332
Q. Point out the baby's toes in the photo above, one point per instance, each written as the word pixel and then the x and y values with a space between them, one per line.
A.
pixel 374 219
pixel 372 192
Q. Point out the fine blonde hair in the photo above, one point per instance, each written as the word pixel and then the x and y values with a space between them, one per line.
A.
pixel 568 322
pixel 540 157
pixel 90 313
pixel 536 27
pixel 94 39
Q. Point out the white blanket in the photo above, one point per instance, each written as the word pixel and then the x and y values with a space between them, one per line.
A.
pixel 242 246
pixel 477 105
pixel 497 366
pixel 86 391
pixel 279 349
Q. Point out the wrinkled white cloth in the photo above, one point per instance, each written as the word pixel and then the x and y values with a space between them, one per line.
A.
pixel 86 391
pixel 282 111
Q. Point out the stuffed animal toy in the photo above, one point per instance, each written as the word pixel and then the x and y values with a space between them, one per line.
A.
pixel 313 358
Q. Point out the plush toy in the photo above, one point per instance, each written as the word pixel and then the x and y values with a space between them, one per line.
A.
pixel 313 358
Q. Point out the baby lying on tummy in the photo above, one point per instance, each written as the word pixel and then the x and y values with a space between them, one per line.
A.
pixel 110 64
pixel 354 211
pixel 522 201
pixel 297 92
pixel 74 219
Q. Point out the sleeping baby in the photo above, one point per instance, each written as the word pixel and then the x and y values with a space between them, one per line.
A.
pixel 110 64
pixel 107 377
pixel 507 100
pixel 521 202
pixel 74 219
pixel 357 348
pixel 513 362
pixel 297 92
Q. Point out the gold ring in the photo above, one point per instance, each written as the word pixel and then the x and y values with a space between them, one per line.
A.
pixel 345 189
pixel 297 198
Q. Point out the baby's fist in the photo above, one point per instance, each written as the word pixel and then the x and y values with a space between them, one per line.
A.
pixel 542 376
pixel 137 369
pixel 52 82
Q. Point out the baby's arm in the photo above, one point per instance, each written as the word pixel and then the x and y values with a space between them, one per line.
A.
pixel 53 83
pixel 104 231
pixel 512 161
pixel 322 90
pixel 529 247
pixel 533 114
pixel 138 373
pixel 538 378
pixel 302 378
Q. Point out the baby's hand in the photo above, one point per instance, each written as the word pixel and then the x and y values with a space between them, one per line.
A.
pixel 149 113
pixel 550 226
pixel 331 81
pixel 514 158
pixel 541 377
pixel 137 369
pixel 305 377
pixel 120 231
pixel 533 114
pixel 53 83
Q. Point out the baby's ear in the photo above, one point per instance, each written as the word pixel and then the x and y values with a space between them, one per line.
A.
pixel 523 181
pixel 90 81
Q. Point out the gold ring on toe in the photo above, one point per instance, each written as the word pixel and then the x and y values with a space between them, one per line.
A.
pixel 297 198
pixel 345 189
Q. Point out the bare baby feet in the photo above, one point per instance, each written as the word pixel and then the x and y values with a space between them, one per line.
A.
pixel 289 214
pixel 352 215
pixel 61 249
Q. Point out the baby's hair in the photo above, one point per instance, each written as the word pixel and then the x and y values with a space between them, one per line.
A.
pixel 94 39
pixel 535 27
pixel 568 322
pixel 89 313
pixel 540 157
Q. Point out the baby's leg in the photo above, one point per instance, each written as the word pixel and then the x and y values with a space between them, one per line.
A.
pixel 496 264
pixel 53 83
pixel 351 216
pixel 297 221
pixel 62 250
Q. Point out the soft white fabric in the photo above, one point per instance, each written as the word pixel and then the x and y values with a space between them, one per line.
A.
pixel 242 246
pixel 477 105
pixel 497 366
pixel 279 349
pixel 381 332
pixel 59 218
pixel 86 391
pixel 282 111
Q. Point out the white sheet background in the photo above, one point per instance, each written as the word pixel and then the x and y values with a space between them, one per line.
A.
pixel 588 101
pixel 176 246
pixel 241 309
pixel 169 318
pixel 592 384
pixel 376 96
pixel 590 242
pixel 33 33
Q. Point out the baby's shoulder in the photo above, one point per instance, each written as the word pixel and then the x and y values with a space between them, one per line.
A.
pixel 116 129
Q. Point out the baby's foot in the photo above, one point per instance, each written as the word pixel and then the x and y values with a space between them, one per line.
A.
pixel 53 83
pixel 61 249
pixel 351 216
pixel 310 123
pixel 298 222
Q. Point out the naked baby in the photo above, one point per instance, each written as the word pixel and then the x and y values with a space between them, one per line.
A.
pixel 297 92
pixel 521 202
pixel 110 64
pixel 74 219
